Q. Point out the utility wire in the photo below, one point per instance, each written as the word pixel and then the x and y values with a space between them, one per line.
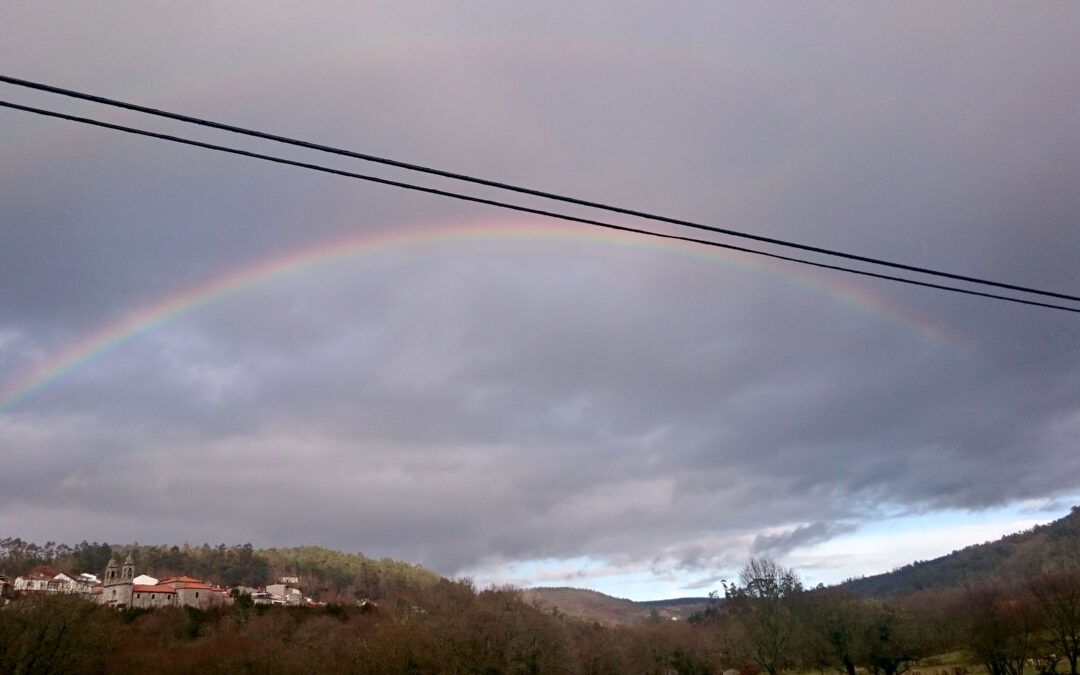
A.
pixel 517 207
pixel 524 190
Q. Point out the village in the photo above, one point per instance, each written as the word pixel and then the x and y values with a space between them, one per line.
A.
pixel 121 588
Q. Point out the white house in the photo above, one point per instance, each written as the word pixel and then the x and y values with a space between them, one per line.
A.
pixel 285 594
pixel 45 579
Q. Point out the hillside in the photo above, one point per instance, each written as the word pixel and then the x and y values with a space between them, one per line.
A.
pixel 323 573
pixel 605 609
pixel 1044 548
pixel 334 574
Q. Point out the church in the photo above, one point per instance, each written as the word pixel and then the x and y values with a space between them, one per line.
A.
pixel 119 589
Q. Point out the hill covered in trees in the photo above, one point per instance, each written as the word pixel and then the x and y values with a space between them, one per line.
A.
pixel 605 609
pixel 1050 548
pixel 328 575
pixel 1014 610
pixel 766 622
pixel 1044 549
pixel 336 576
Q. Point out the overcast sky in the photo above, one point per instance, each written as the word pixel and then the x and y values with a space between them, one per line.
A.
pixel 200 347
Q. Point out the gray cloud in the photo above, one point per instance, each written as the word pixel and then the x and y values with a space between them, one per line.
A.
pixel 776 545
pixel 655 408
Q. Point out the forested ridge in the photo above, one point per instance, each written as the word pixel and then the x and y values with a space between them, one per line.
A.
pixel 764 623
pixel 1052 547
pixel 993 619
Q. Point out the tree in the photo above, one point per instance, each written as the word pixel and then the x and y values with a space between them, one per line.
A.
pixel 54 634
pixel 891 642
pixel 1002 630
pixel 763 599
pixel 832 619
pixel 90 557
pixel 1058 599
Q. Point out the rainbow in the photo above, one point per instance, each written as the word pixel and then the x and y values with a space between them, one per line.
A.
pixel 371 245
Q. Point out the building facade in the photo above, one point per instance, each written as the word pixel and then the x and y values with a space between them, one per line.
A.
pixel 44 579
pixel 120 590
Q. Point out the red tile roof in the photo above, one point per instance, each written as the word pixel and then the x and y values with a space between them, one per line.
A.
pixel 181 580
pixel 189 583
pixel 41 572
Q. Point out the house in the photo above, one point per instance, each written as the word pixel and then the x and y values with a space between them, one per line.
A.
pixel 196 593
pixel 45 579
pixel 264 598
pixel 285 594
pixel 259 596
pixel 36 580
pixel 81 584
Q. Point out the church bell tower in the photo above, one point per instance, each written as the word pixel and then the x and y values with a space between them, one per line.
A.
pixel 117 586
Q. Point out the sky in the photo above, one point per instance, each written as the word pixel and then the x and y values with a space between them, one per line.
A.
pixel 199 347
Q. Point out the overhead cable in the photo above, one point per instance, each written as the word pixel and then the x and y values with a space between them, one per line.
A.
pixel 528 191
pixel 518 207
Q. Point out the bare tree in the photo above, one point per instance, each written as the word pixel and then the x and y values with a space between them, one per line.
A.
pixel 1003 630
pixel 763 600
pixel 1058 599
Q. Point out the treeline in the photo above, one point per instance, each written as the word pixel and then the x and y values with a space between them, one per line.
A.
pixel 769 620
pixel 17 557
pixel 449 627
pixel 764 623
pixel 225 565
pixel 325 574
pixel 343 577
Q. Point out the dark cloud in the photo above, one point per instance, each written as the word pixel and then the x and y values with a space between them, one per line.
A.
pixel 663 410
pixel 776 545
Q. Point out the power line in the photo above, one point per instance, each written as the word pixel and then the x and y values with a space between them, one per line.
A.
pixel 516 207
pixel 524 190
